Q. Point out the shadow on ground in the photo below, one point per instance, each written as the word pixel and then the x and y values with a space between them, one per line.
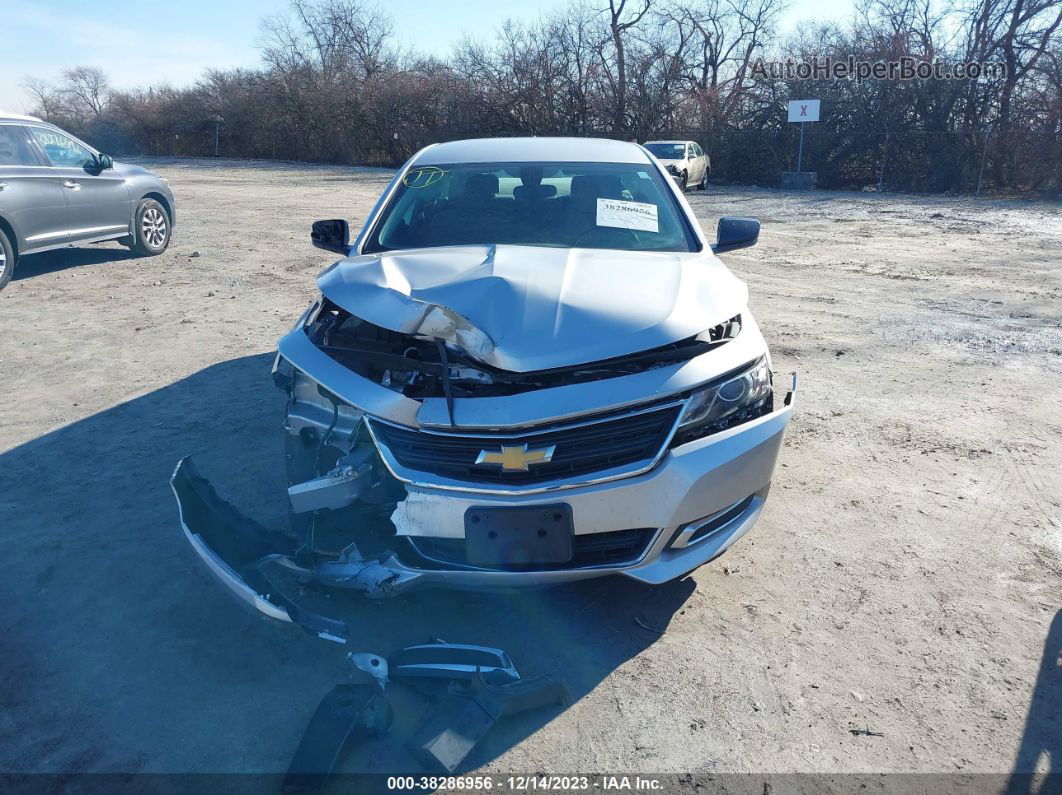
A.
pixel 62 259
pixel 121 653
pixel 1038 767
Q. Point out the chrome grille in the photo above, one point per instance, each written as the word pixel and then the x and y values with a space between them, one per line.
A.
pixel 596 445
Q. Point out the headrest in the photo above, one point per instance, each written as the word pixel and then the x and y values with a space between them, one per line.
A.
pixel 481 186
pixel 596 186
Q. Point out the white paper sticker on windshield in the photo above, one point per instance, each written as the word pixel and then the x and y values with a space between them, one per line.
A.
pixel 627 215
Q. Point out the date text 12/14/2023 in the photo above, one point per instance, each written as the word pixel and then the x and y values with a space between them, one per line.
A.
pixel 526 783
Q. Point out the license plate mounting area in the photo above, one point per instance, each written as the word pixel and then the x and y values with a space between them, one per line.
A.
pixel 518 538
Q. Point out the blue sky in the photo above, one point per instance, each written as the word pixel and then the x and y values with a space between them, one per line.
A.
pixel 139 43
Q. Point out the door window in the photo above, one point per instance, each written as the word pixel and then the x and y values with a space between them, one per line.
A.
pixel 61 149
pixel 689 148
pixel 697 150
pixel 14 148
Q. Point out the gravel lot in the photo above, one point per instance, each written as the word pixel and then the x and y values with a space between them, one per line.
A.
pixel 904 578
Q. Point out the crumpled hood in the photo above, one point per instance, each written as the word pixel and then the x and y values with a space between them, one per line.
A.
pixel 524 308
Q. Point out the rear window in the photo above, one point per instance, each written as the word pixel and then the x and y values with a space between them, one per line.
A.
pixel 667 151
pixel 570 205
pixel 14 148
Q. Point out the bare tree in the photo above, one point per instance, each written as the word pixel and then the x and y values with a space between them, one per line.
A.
pixel 333 86
pixel 47 100
pixel 1019 32
pixel 336 37
pixel 620 21
pixel 717 40
pixel 86 91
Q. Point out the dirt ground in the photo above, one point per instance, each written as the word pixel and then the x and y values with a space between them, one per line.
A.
pixel 903 580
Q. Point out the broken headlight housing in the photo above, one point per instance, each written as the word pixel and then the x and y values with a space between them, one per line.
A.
pixel 726 403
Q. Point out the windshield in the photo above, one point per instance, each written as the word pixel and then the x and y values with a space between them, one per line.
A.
pixel 569 205
pixel 668 151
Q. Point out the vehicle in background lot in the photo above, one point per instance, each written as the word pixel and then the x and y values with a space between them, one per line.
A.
pixel 529 368
pixel 57 191
pixel 687 163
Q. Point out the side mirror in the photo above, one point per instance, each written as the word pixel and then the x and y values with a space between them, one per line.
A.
pixel 734 233
pixel 105 162
pixel 331 236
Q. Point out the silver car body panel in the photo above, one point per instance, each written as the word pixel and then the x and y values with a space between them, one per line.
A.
pixel 691 481
pixel 567 402
pixel 552 405
pixel 540 308
pixel 530 150
pixel 363 394
pixel 52 207
pixel 221 570
pixel 32 202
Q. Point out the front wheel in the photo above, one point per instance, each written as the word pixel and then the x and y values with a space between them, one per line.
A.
pixel 7 260
pixel 151 229
pixel 685 183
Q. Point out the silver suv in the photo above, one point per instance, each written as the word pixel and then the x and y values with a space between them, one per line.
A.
pixel 57 191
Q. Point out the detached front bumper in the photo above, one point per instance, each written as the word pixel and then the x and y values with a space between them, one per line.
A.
pixel 700 499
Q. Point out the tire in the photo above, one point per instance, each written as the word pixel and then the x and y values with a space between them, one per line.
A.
pixel 151 228
pixel 7 260
pixel 685 182
pixel 703 184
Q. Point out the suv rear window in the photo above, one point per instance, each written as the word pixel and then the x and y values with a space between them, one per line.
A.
pixel 14 148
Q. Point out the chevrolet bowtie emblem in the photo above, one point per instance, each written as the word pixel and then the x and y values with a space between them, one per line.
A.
pixel 516 459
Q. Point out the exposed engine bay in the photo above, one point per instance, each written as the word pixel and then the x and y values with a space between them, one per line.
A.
pixel 418 366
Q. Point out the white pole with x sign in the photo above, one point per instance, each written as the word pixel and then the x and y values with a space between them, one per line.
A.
pixel 803 110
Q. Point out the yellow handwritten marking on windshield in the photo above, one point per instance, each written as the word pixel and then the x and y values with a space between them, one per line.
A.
pixel 422 177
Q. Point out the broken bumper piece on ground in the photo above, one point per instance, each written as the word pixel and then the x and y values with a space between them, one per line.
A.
pixel 258 564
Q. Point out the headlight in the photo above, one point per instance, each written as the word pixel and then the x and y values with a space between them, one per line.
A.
pixel 722 405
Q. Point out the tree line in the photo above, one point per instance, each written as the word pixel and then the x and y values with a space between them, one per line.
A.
pixel 335 86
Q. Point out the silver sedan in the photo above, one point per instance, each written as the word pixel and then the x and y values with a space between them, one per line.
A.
pixel 530 367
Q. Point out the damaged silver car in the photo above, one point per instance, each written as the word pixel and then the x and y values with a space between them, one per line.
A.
pixel 528 368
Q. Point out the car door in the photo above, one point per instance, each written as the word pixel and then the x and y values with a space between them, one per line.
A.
pixel 98 203
pixel 702 159
pixel 691 159
pixel 31 196
pixel 696 164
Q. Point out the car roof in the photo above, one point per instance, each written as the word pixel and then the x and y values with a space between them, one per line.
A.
pixel 5 116
pixel 530 150
pixel 668 142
